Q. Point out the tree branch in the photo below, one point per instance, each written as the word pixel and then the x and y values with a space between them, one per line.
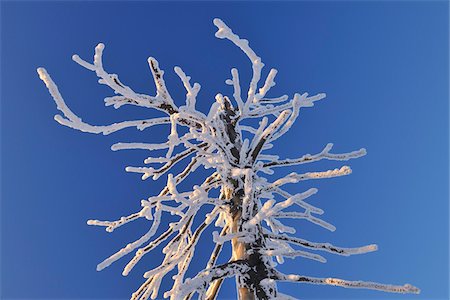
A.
pixel 403 289
pixel 323 246
pixel 203 278
pixel 324 154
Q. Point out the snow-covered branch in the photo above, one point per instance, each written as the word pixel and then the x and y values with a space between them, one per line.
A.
pixel 200 282
pixel 192 91
pixel 295 253
pixel 73 121
pixel 224 32
pixel 156 173
pixel 324 154
pixel 111 225
pixel 267 134
pixel 323 246
pixel 294 177
pixel 404 289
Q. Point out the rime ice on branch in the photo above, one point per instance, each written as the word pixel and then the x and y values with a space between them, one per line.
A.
pixel 248 211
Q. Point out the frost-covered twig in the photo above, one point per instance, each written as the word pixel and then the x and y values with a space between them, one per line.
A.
pixel 295 253
pixel 294 177
pixel 268 133
pixel 73 121
pixel 324 246
pixel 404 289
pixel 224 32
pixel 324 154
pixel 192 91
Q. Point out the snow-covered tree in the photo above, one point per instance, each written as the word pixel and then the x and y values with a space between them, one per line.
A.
pixel 249 209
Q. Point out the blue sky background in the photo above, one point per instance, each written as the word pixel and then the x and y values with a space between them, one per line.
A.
pixel 384 66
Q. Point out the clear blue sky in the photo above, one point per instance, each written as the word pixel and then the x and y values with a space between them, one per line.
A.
pixel 384 66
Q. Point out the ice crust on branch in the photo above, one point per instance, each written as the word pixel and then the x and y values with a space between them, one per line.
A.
pixel 248 210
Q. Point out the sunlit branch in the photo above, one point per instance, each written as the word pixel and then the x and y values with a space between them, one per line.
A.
pixel 407 288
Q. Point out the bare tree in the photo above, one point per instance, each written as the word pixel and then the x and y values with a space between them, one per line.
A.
pixel 249 208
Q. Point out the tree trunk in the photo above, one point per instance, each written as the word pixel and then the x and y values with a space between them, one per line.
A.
pixel 249 287
pixel 240 252
pixel 239 249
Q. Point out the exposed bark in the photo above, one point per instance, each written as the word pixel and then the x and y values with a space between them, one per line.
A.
pixel 248 287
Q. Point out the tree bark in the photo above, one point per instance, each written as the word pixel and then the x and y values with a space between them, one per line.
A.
pixel 239 249
pixel 240 252
pixel 249 288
